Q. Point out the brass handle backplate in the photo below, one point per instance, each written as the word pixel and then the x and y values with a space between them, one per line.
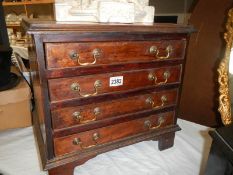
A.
pixel 97 111
pixel 74 55
pixel 154 50
pixel 76 87
pixel 150 101
pixel 166 76
pixel 78 141
pixel 148 124
pixel 77 116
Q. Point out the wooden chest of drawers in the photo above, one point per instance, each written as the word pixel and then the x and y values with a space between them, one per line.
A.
pixel 99 87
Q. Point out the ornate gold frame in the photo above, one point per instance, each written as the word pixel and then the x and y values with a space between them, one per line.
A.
pixel 223 70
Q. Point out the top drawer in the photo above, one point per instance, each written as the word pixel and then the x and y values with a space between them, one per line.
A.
pixel 64 55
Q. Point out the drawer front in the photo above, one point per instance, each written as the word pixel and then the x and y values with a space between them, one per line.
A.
pixel 93 138
pixel 71 116
pixel 64 55
pixel 86 86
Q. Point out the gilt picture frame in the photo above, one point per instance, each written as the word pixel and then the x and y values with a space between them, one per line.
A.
pixel 223 70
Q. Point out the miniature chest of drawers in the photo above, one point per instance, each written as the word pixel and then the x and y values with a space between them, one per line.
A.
pixel 99 87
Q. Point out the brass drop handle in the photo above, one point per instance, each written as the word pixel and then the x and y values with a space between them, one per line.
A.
pixel 78 141
pixel 153 77
pixel 76 87
pixel 156 52
pixel 148 124
pixel 150 101
pixel 77 116
pixel 75 56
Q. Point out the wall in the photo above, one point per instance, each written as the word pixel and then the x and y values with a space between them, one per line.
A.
pixel 180 8
pixel 171 6
pixel 199 100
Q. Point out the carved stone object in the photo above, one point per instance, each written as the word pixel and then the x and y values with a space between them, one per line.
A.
pixel 122 11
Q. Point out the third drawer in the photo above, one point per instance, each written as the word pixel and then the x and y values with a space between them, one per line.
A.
pixel 76 115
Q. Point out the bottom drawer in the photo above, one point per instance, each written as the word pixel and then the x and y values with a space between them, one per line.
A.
pixel 92 138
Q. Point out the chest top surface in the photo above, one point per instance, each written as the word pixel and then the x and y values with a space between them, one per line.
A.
pixel 33 27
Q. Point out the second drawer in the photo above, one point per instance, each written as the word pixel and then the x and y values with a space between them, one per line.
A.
pixel 71 116
pixel 99 84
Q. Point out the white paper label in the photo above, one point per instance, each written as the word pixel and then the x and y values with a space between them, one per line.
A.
pixel 116 81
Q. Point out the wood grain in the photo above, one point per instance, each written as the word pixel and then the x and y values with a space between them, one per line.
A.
pixel 124 52
pixel 80 157
pixel 38 26
pixel 64 117
pixel 60 89
pixel 100 69
pixel 110 133
pixel 110 121
pixel 58 54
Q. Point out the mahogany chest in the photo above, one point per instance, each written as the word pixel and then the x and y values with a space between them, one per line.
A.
pixel 98 87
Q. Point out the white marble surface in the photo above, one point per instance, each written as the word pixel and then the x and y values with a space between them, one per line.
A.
pixel 19 155
pixel 122 12
pixel 104 11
